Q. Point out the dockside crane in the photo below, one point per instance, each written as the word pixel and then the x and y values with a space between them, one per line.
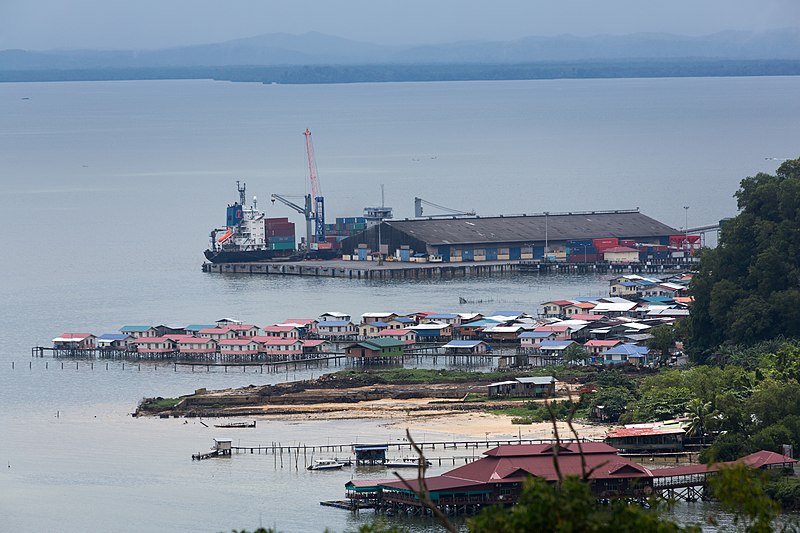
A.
pixel 316 193
pixel 449 212
pixel 306 210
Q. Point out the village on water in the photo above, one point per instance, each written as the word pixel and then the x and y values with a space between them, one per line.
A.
pixel 609 330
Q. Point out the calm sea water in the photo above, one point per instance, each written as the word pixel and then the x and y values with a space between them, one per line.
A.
pixel 108 192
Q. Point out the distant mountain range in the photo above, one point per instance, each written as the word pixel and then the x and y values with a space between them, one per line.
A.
pixel 282 49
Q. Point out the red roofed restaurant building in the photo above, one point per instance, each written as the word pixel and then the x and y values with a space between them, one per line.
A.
pixel 497 478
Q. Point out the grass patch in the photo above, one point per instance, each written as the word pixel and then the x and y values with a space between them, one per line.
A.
pixel 158 404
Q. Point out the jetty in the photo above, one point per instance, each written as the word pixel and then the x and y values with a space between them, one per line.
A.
pixel 388 270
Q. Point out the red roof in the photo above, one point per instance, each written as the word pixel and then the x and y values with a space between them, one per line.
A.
pixel 754 460
pixel 302 321
pixel 150 340
pixel 586 316
pixel 560 303
pixel 600 342
pixel 555 329
pixel 274 341
pixel 513 463
pixel 312 343
pixel 213 331
pixel 74 336
pixel 234 342
pixel 765 458
pixel 279 329
pixel 239 327
pixel 642 432
pixel 394 332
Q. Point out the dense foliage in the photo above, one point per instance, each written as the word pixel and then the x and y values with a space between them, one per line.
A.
pixel 748 288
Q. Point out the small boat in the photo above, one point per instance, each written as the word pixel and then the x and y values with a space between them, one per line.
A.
pixel 246 424
pixel 328 464
pixel 409 462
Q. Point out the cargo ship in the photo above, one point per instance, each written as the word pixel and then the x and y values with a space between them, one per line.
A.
pixel 249 235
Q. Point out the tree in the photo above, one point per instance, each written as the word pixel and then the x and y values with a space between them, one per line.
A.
pixel 662 341
pixel 700 415
pixel 746 289
pixel 569 506
pixel 575 354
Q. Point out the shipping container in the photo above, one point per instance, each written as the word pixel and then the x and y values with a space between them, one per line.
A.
pixel 630 243
pixel 588 258
pixel 607 242
pixel 276 220
pixel 581 250
pixel 281 246
pixel 280 238
pixel 578 243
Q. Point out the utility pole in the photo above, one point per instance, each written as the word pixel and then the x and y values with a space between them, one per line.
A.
pixel 546 244
pixel 686 230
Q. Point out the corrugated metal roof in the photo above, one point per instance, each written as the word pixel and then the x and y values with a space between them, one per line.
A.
pixel 560 227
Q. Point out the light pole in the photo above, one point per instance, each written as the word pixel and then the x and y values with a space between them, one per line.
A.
pixel 546 246
pixel 686 229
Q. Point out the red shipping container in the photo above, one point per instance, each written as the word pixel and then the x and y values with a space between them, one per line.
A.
pixel 627 242
pixel 276 220
pixel 608 242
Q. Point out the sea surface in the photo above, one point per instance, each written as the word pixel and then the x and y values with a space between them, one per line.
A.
pixel 108 191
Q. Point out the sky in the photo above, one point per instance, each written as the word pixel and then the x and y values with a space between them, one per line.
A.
pixel 150 24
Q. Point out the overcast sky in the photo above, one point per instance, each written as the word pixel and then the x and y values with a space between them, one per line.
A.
pixel 142 24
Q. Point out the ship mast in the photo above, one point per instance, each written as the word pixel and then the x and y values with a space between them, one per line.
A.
pixel 242 194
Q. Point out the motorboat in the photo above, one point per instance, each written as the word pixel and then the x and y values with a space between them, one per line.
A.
pixel 328 464
pixel 408 462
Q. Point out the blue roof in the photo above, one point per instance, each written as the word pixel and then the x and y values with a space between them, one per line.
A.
pixel 112 336
pixel 378 324
pixel 462 344
pixel 555 344
pixel 629 284
pixel 333 323
pixel 404 320
pixel 628 349
pixel 198 327
pixel 536 334
pixel 658 299
pixel 442 315
pixel 507 313
pixel 135 328
pixel 481 323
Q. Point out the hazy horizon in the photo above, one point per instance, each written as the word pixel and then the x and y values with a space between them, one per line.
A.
pixel 148 24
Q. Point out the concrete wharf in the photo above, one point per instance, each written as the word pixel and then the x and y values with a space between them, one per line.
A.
pixel 404 270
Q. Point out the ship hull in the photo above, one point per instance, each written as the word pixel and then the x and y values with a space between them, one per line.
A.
pixel 249 256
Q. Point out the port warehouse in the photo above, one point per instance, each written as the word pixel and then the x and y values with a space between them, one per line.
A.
pixel 590 236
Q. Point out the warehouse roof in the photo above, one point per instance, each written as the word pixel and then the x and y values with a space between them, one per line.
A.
pixel 560 226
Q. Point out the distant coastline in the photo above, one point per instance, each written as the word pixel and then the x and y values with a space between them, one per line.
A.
pixel 383 73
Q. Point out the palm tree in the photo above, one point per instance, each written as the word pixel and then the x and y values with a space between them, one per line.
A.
pixel 700 414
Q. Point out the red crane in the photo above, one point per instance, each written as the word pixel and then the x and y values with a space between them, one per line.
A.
pixel 316 193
